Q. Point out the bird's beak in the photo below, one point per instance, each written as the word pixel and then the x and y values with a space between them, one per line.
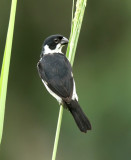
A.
pixel 64 41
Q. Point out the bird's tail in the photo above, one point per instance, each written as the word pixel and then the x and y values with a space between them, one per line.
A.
pixel 80 118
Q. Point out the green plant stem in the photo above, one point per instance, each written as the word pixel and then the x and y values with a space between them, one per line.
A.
pixel 6 64
pixel 75 31
pixel 57 132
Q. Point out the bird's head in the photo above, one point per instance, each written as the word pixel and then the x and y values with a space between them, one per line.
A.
pixel 54 44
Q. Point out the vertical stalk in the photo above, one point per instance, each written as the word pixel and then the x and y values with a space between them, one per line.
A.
pixel 6 65
pixel 70 54
pixel 57 132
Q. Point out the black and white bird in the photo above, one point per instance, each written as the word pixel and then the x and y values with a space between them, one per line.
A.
pixel 55 72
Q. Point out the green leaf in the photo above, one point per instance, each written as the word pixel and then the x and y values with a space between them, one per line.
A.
pixel 6 65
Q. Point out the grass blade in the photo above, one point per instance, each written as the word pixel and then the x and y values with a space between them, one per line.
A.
pixel 57 132
pixel 70 54
pixel 6 65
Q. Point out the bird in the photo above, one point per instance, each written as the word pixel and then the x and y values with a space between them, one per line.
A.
pixel 56 74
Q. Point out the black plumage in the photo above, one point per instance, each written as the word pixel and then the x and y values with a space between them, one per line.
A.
pixel 56 72
pixel 80 118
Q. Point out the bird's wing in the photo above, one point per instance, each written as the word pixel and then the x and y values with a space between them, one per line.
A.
pixel 56 71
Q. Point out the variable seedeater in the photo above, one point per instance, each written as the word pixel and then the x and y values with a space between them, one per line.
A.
pixel 56 74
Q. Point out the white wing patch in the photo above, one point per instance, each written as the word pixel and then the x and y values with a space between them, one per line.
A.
pixel 74 96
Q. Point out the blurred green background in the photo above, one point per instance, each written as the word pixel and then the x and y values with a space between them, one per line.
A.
pixel 102 72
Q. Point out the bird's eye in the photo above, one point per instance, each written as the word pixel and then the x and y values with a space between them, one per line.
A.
pixel 56 40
